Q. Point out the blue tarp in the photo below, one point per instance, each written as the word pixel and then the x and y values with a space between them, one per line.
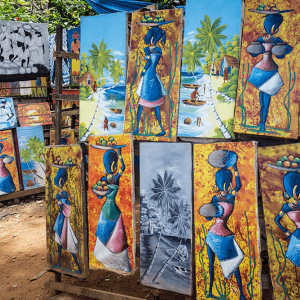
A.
pixel 113 6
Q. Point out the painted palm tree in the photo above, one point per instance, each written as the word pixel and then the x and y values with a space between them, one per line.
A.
pixel 25 154
pixel 164 196
pixel 180 220
pixel 192 54
pixel 116 70
pixel 210 37
pixel 35 145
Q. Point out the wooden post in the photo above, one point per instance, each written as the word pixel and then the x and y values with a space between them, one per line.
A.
pixel 58 85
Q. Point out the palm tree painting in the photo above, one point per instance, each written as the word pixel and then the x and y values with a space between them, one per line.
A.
pixel 166 219
pixel 116 70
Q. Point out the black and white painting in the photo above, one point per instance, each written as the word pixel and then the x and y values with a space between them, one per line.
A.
pixel 166 216
pixel 24 50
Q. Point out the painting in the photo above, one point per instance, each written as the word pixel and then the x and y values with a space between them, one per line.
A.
pixel 66 221
pixel 25 88
pixel 166 216
pixel 24 50
pixel 67 137
pixel 227 238
pixel 210 67
pixel 9 178
pixel 34 114
pixel 267 101
pixel 32 156
pixel 65 63
pixel 153 77
pixel 102 78
pixel 39 87
pixel 111 203
pixel 279 178
pixel 9 89
pixel 7 114
pixel 74 46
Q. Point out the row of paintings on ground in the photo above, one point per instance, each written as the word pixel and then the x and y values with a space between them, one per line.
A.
pixel 216 87
pixel 224 213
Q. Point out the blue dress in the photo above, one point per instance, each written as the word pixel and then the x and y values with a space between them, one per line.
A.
pixel 60 218
pixel 150 87
pixel 7 185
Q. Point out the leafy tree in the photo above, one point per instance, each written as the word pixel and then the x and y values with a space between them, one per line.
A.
pixel 83 64
pixel 229 126
pixel 116 70
pixel 192 55
pixel 82 91
pixel 89 91
pixel 229 88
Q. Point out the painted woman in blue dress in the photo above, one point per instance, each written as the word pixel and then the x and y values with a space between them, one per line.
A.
pixel 151 90
pixel 291 183
pixel 264 75
pixel 64 234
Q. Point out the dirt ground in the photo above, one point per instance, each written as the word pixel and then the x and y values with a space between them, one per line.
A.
pixel 23 255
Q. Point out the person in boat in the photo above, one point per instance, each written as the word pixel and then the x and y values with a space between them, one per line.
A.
pixel 64 234
pixel 220 239
pixel 7 185
pixel 264 75
pixel 194 94
pixel 105 123
pixel 150 90
pixel 111 241
pixel 291 183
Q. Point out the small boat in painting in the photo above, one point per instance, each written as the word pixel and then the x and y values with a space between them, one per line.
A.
pixel 191 85
pixel 193 102
pixel 182 271
pixel 116 110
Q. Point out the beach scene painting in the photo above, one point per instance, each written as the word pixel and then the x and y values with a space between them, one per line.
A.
pixel 227 236
pixel 267 101
pixel 8 117
pixel 210 66
pixel 32 156
pixel 152 87
pixel 102 74
pixel 166 216
pixel 279 178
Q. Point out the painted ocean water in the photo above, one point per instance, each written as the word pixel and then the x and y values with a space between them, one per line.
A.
pixel 31 180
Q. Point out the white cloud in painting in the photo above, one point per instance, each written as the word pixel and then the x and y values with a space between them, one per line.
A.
pixel 191 32
pixel 116 52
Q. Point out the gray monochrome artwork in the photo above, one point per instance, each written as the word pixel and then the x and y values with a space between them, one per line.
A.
pixel 166 216
pixel 24 50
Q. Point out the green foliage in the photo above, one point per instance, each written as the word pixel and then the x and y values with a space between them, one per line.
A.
pixel 82 129
pixel 191 55
pixel 229 88
pixel 116 70
pixel 89 91
pixel 229 126
pixel 83 64
pixel 82 93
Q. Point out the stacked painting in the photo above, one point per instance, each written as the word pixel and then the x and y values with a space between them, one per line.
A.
pixel 102 78
pixel 67 137
pixel 66 227
pixel 267 101
pixel 74 47
pixel 9 179
pixel 39 87
pixel 227 236
pixel 9 89
pixel 210 67
pixel 280 184
pixel 111 203
pixel 32 156
pixel 7 114
pixel 153 75
pixel 166 216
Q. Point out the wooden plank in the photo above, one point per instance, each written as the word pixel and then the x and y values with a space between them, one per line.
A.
pixel 60 96
pixel 71 112
pixel 63 54
pixel 82 291
pixel 21 194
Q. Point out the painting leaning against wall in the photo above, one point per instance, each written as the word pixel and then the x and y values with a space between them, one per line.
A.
pixel 226 227
pixel 153 75
pixel 66 230
pixel 166 216
pixel 102 74
pixel 279 177
pixel 8 117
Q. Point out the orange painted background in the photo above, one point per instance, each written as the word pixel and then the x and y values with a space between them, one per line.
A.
pixel 124 197
pixel 70 140
pixel 289 32
pixel 272 193
pixel 246 200
pixel 9 149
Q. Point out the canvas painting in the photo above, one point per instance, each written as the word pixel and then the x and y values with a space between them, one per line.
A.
pixel 210 67
pixel 279 178
pixel 34 114
pixel 102 78
pixel 32 156
pixel 65 63
pixel 39 87
pixel 25 88
pixel 7 114
pixel 153 75
pixel 111 203
pixel 66 220
pixel 166 216
pixel 9 178
pixel 74 46
pixel 67 137
pixel 267 101
pixel 9 89
pixel 227 238
pixel 25 50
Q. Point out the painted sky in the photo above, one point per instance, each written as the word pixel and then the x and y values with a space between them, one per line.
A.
pixel 25 132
